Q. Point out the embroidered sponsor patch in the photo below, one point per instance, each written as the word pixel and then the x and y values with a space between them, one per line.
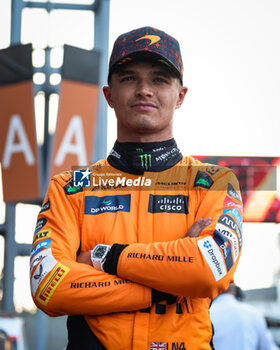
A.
pixel 202 179
pixel 236 214
pixel 229 202
pixel 51 283
pixel 69 188
pixel 213 256
pixel 229 221
pixel 212 169
pixel 168 204
pixel 42 235
pixel 224 230
pixel 46 265
pixel 39 246
pixel 40 224
pixel 39 257
pixel 232 193
pixel 108 204
pixel 45 206
pixel 225 245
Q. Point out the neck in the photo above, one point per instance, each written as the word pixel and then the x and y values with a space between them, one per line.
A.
pixel 137 157
pixel 144 137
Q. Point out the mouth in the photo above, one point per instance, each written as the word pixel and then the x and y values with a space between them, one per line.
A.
pixel 144 106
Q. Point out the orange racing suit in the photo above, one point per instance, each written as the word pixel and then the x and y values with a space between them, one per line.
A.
pixel 151 218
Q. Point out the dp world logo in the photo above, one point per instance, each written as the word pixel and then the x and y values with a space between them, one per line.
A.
pixel 81 178
pixel 207 244
pixel 95 205
pixel 104 202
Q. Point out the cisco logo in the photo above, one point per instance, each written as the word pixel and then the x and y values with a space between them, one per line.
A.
pixel 168 204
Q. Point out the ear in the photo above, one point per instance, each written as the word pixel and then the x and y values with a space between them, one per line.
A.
pixel 181 97
pixel 108 95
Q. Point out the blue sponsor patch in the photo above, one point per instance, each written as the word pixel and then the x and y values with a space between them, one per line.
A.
pixel 38 247
pixel 109 204
pixel 236 214
pixel 225 245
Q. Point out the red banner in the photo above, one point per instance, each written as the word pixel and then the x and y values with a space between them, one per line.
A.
pixel 258 183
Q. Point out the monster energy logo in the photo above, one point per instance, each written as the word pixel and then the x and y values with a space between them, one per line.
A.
pixel 146 160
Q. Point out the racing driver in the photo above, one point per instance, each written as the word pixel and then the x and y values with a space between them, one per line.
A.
pixel 135 259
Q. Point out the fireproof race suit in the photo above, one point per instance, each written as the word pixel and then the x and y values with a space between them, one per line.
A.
pixel 151 214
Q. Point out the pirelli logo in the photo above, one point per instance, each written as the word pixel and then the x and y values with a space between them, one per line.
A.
pixel 51 283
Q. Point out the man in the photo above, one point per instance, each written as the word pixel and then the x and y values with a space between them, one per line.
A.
pixel 136 259
pixel 238 325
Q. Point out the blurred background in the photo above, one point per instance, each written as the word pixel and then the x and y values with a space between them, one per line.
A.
pixel 231 54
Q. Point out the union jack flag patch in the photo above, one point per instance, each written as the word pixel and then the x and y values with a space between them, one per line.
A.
pixel 158 346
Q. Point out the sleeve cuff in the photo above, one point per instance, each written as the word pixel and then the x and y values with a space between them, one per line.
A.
pixel 111 264
pixel 158 296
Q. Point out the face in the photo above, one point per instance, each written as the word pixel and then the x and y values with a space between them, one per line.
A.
pixel 144 97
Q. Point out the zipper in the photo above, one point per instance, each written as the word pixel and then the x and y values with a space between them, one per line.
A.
pixel 188 304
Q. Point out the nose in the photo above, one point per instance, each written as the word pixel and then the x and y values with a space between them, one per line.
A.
pixel 144 89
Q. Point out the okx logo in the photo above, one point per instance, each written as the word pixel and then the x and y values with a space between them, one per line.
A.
pixel 145 160
pixel 168 204
pixel 81 178
pixel 110 204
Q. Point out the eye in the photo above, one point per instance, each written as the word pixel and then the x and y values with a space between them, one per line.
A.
pixel 127 78
pixel 161 80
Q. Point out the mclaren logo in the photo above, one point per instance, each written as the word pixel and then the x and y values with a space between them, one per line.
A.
pixel 154 38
